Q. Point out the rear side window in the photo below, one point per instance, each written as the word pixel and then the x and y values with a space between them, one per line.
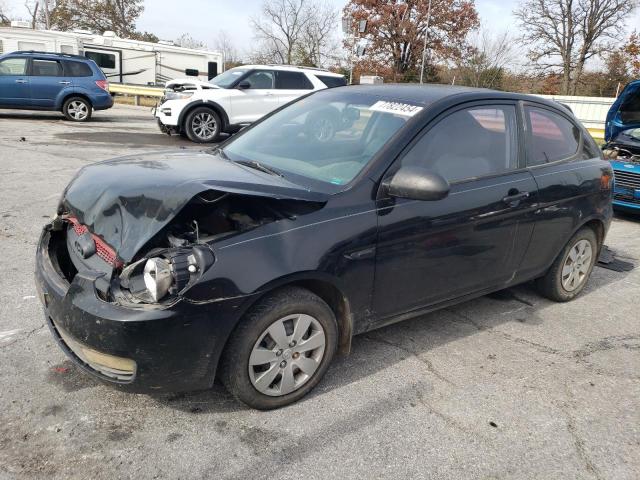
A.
pixel 104 60
pixel 469 143
pixel 13 66
pixel 46 68
pixel 292 81
pixel 78 69
pixel 551 137
pixel 331 82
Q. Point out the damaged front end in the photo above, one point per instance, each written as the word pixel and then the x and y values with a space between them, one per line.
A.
pixel 151 232
pixel 175 258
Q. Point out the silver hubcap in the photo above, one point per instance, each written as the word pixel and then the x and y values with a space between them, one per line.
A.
pixel 286 355
pixel 576 265
pixel 78 110
pixel 204 126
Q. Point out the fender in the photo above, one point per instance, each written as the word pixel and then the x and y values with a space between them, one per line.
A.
pixel 67 92
pixel 328 287
pixel 202 103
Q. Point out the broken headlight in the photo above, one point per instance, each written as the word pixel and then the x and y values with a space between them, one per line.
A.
pixel 164 273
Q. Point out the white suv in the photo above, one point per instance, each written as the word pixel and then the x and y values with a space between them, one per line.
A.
pixel 202 111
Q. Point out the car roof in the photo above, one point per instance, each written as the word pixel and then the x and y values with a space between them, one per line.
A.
pixel 46 54
pixel 427 94
pixel 294 68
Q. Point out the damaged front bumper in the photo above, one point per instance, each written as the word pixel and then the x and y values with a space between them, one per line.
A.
pixel 138 348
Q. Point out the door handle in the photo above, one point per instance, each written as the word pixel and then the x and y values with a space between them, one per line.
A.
pixel 64 83
pixel 21 81
pixel 513 199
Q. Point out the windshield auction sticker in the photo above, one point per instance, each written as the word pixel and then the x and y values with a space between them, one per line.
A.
pixel 395 108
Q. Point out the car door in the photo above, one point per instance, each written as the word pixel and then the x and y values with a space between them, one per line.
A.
pixel 472 240
pixel 255 97
pixel 14 82
pixel 291 85
pixel 567 167
pixel 47 79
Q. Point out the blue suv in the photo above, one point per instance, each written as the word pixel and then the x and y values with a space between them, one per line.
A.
pixel 71 84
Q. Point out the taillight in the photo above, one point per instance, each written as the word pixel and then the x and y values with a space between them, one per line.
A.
pixel 103 84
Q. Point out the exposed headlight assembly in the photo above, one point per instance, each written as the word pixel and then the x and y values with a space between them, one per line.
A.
pixel 165 274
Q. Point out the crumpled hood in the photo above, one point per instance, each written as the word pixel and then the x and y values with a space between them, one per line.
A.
pixel 126 201
pixel 199 84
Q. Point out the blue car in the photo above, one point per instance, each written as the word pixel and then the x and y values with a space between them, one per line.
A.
pixel 69 84
pixel 622 133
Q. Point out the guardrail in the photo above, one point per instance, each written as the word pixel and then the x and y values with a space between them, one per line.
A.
pixel 136 91
pixel 591 111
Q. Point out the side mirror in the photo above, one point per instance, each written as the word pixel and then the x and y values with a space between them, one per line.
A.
pixel 417 183
pixel 243 85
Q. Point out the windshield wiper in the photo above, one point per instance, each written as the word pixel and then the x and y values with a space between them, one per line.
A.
pixel 259 166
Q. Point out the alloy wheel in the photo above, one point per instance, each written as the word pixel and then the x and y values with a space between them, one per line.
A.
pixel 576 265
pixel 78 110
pixel 287 354
pixel 204 126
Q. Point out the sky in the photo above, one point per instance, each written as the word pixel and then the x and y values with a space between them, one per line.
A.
pixel 203 19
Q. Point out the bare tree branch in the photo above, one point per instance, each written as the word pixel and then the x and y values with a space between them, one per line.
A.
pixel 573 31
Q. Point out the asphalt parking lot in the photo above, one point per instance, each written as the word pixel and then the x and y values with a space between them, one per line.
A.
pixel 507 386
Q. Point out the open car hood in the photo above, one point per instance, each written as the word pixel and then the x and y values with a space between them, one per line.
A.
pixel 128 200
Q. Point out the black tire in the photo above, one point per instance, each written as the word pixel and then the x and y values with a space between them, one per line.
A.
pixel 77 109
pixel 234 366
pixel 203 125
pixel 551 284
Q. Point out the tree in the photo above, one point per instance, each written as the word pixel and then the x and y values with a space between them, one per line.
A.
pixel 294 31
pixel 187 41
pixel 99 16
pixel 396 31
pixel 631 51
pixel 487 61
pixel 565 34
pixel 224 44
pixel 4 15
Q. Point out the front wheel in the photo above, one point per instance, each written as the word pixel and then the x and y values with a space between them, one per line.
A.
pixel 281 350
pixel 570 272
pixel 203 125
pixel 77 109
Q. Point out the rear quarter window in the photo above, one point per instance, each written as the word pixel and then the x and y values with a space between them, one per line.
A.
pixel 550 136
pixel 332 82
pixel 78 69
pixel 292 81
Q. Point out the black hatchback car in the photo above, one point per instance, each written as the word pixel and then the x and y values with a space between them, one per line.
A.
pixel 351 208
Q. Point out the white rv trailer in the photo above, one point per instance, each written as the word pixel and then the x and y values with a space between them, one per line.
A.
pixel 122 60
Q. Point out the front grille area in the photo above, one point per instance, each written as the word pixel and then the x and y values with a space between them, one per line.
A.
pixel 626 199
pixel 104 251
pixel 627 179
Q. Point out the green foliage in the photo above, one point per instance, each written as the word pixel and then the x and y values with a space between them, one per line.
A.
pixel 99 16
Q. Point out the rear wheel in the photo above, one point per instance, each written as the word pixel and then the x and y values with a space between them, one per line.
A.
pixel 77 109
pixel 281 350
pixel 203 125
pixel 570 272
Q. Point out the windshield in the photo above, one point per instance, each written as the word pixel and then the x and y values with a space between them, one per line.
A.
pixel 328 137
pixel 226 79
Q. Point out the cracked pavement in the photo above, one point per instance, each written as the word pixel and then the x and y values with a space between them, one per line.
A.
pixel 509 386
